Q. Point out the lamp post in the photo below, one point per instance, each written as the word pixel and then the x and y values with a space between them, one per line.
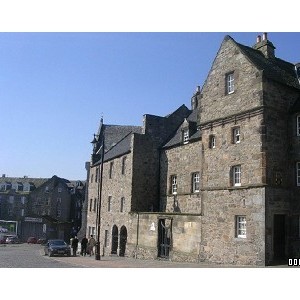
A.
pixel 97 254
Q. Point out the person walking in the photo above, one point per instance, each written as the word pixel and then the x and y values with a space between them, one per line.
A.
pixel 91 245
pixel 84 243
pixel 75 245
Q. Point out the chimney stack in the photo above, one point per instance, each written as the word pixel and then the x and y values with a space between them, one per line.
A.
pixel 265 46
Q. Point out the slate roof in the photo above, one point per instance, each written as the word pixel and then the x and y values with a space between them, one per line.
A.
pixel 177 137
pixel 24 180
pixel 273 68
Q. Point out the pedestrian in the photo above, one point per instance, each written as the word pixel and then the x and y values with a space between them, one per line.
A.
pixel 84 243
pixel 75 245
pixel 91 245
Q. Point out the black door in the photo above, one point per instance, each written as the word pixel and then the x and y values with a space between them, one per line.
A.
pixel 114 240
pixel 164 237
pixel 123 240
pixel 279 237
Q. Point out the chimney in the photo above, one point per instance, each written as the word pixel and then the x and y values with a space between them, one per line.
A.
pixel 194 100
pixel 265 46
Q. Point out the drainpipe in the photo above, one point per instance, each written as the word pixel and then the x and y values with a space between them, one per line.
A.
pixel 137 234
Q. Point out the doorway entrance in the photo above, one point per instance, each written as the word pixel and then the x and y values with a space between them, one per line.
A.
pixel 123 240
pixel 164 237
pixel 114 240
pixel 279 239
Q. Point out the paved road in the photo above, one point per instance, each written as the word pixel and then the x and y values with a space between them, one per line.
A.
pixel 32 256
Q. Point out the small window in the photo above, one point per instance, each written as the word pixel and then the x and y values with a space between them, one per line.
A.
pixel 123 165
pixel 236 175
pixel 91 204
pixel 95 204
pixel 229 83
pixel 241 227
pixel 196 182
pixel 105 238
pixel 46 189
pixel 185 136
pixel 59 190
pixel 236 136
pixel 111 166
pixel 96 175
pixel 92 177
pixel 122 204
pixel 174 184
pixel 298 125
pixel 109 203
pixel 212 142
pixel 298 173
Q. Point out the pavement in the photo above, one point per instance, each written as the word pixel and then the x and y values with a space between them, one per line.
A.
pixel 115 261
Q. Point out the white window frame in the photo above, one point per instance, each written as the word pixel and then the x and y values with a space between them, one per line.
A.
pixel 230 83
pixel 212 142
pixel 185 136
pixel 298 173
pixel 298 125
pixel 236 132
pixel 241 227
pixel 196 182
pixel 236 175
pixel 174 184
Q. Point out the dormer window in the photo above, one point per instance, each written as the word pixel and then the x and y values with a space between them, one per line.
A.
pixel 230 83
pixel 185 136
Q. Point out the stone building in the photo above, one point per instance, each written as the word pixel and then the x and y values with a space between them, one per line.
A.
pixel 42 207
pixel 221 184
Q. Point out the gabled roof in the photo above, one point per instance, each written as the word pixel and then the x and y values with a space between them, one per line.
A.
pixel 273 68
pixel 176 139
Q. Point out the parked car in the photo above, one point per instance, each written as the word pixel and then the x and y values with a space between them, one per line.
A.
pixel 31 240
pixel 41 241
pixel 57 247
pixel 3 238
pixel 12 240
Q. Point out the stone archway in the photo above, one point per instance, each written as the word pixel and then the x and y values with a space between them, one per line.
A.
pixel 114 240
pixel 123 241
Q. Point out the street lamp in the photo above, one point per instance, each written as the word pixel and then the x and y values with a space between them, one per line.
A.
pixel 97 254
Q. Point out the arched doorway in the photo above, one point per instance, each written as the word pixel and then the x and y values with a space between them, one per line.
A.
pixel 114 240
pixel 123 240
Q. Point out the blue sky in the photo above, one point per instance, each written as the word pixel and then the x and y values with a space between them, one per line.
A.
pixel 54 87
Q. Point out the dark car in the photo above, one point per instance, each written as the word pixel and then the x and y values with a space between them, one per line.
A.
pixel 31 240
pixel 12 240
pixel 57 247
pixel 41 241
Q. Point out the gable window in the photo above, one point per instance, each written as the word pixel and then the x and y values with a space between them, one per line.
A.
pixel 111 166
pixel 229 83
pixel 196 182
pixel 298 173
pixel 212 142
pixel 185 136
pixel 174 184
pixel 109 203
pixel 240 222
pixel 298 125
pixel 123 165
pixel 236 175
pixel 236 135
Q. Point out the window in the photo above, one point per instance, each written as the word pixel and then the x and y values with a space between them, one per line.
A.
pixel 236 175
pixel 122 204
pixel 91 204
pixel 96 175
pixel 59 190
pixel 241 227
pixel 236 136
pixel 174 184
pixel 95 204
pixel 111 166
pixel 212 141
pixel 109 203
pixel 123 165
pixel 185 136
pixel 298 125
pixel 58 207
pixel 46 189
pixel 105 238
pixel 196 182
pixel 298 173
pixel 92 177
pixel 229 83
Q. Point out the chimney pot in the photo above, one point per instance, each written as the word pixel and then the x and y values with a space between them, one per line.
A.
pixel 258 39
pixel 265 36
